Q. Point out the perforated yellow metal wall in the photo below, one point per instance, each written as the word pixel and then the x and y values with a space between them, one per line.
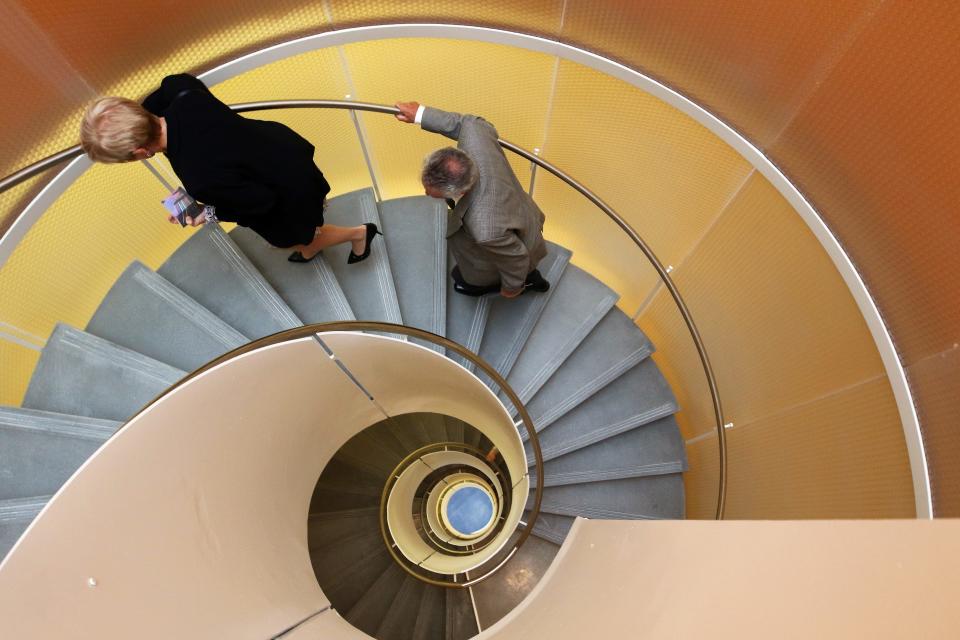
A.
pixel 72 255
pixel 786 340
pixel 509 87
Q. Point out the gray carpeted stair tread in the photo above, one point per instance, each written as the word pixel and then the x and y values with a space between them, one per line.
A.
pixel 653 449
pixel 333 528
pixel 645 498
pixel 418 429
pixel 334 562
pixel 460 622
pixel 81 374
pixel 430 615
pixel 368 285
pixel 409 430
pixel 40 450
pixel 376 454
pixel 414 231
pixel 578 303
pixel 435 425
pixel 401 618
pixel 550 526
pixel 614 347
pixel 311 290
pixel 466 318
pixel 146 313
pixel 339 494
pixel 213 270
pixel 15 516
pixel 356 579
pixel 340 471
pixel 639 396
pixel 372 607
pixel 455 429
pixel 346 571
pixel 474 437
pixel 511 320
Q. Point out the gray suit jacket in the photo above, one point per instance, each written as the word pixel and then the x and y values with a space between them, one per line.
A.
pixel 496 230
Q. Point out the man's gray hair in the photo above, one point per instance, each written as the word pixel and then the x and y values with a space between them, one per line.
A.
pixel 450 171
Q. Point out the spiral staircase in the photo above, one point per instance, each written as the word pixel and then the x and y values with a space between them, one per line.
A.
pixel 602 410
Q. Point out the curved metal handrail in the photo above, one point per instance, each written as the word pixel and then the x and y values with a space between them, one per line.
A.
pixel 73 152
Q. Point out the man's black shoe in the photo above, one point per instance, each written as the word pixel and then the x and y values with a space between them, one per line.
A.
pixel 536 282
pixel 462 286
pixel 474 291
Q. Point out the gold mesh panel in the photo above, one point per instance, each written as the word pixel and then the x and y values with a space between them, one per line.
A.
pixel 876 148
pixel 72 255
pixel 936 381
pixel 530 16
pixel 701 481
pixel 115 48
pixel 889 188
pixel 316 74
pixel 18 361
pixel 508 87
pixel 599 246
pixel 665 174
pixel 839 456
pixel 753 61
pixel 779 323
pixel 19 349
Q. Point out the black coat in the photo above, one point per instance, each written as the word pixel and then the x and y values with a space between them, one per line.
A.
pixel 258 174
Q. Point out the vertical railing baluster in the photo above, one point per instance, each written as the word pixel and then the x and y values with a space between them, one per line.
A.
pixel 366 152
pixel 533 172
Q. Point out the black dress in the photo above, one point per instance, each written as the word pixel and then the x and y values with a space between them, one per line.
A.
pixel 258 174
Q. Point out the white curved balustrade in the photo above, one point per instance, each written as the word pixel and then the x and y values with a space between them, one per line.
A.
pixel 193 516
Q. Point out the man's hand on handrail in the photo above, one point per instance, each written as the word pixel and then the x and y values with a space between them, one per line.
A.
pixel 408 111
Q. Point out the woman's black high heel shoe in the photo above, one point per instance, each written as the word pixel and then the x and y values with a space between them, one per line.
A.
pixel 372 232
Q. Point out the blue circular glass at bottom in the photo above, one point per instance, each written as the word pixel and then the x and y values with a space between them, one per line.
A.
pixel 469 510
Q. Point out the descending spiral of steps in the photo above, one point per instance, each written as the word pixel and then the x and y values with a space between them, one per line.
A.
pixel 603 412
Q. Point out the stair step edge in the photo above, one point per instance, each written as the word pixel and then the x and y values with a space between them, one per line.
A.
pixel 638 471
pixel 115 354
pixel 191 310
pixel 22 509
pixel 598 383
pixel 510 356
pixel 565 350
pixel 60 424
pixel 272 301
pixel 593 513
pixel 633 422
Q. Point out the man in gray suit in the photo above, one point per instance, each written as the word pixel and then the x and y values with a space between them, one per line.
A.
pixel 495 231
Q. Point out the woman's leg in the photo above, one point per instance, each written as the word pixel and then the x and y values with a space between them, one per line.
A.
pixel 329 235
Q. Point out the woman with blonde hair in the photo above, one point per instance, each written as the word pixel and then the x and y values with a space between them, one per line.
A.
pixel 256 173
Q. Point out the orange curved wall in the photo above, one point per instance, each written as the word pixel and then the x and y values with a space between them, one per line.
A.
pixel 854 101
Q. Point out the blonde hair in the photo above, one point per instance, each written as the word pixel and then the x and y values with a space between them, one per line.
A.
pixel 113 128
